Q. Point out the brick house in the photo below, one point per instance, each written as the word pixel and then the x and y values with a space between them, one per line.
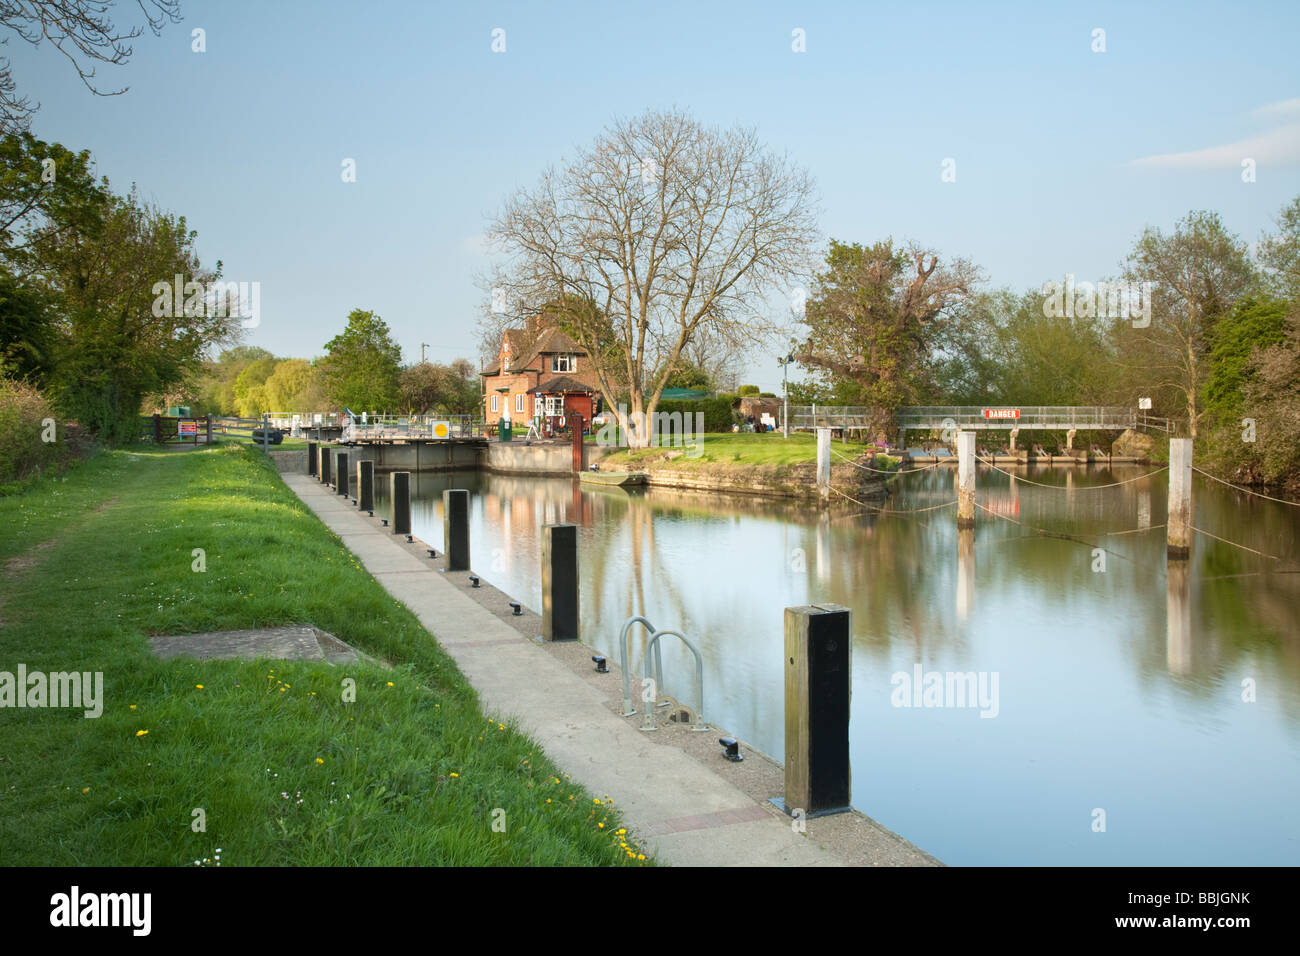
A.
pixel 540 374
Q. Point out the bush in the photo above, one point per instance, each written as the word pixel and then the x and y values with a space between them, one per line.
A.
pixel 747 390
pixel 25 418
pixel 717 412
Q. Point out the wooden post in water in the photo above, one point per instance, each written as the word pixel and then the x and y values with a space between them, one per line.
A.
pixel 1179 529
pixel 366 485
pixel 560 582
pixel 455 529
pixel 401 502
pixel 965 480
pixel 817 686
pixel 824 463
pixel 311 458
pixel 341 466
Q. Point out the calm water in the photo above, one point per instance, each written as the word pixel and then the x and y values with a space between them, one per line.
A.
pixel 1118 689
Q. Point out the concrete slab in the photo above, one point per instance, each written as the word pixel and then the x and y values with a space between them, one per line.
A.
pixel 280 643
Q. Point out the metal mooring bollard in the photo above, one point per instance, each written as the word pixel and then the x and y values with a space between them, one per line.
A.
pixel 817 709
pixel 560 582
pixel 311 459
pixel 455 528
pixel 324 465
pixel 401 502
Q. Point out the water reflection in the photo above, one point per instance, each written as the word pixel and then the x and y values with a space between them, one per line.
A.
pixel 1109 696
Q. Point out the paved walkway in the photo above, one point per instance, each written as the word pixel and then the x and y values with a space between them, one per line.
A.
pixel 686 813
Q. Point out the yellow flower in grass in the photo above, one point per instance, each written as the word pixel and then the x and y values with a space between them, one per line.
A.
pixel 319 760
pixel 600 825
pixel 133 706
pixel 640 856
pixel 455 774
pixel 141 733
pixel 390 683
pixel 198 687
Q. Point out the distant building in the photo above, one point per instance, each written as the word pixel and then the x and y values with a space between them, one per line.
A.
pixel 540 375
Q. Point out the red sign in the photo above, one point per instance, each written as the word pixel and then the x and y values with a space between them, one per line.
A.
pixel 1001 413
pixel 188 428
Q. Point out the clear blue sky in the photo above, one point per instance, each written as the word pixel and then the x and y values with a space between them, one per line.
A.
pixel 246 139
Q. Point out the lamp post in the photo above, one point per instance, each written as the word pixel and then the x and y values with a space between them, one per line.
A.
pixel 785 390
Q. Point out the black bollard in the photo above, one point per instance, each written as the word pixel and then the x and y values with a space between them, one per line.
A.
pixel 342 468
pixel 324 465
pixel 311 458
pixel 455 528
pixel 366 485
pixel 560 582
pixel 817 709
pixel 401 502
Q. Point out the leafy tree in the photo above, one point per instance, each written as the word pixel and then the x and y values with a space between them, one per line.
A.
pixel 1198 272
pixel 251 397
pixel 27 339
pixel 362 366
pixel 873 317
pixel 1280 253
pixel 289 388
pixel 1255 322
pixel 420 385
pixel 1274 401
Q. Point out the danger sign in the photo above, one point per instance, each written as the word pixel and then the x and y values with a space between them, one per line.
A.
pixel 1001 413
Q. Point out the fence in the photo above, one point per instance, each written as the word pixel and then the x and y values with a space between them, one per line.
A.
pixel 176 430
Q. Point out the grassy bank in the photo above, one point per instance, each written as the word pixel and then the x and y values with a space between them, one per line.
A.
pixel 735 448
pixel 282 768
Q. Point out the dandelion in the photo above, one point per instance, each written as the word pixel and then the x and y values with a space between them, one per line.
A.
pixel 390 683
pixel 640 856
pixel 455 775
pixel 87 790
pixel 600 825
pixel 620 831
pixel 319 760
pixel 198 687
pixel 596 801
pixel 141 733
pixel 133 706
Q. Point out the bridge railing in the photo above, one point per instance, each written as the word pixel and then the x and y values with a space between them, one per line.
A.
pixel 411 426
pixel 1040 417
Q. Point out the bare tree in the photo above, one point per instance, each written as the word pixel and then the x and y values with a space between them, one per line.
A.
pixel 662 229
pixel 83 31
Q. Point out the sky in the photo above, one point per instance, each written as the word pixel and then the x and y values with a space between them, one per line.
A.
pixel 1063 154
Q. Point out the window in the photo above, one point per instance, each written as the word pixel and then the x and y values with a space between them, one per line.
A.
pixel 519 403
pixel 564 363
pixel 554 406
pixel 494 402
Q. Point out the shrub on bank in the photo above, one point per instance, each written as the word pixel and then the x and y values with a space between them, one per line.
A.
pixel 26 420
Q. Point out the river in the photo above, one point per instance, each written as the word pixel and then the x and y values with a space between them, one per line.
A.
pixel 1140 717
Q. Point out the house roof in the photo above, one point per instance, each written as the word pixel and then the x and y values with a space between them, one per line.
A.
pixel 561 384
pixel 548 342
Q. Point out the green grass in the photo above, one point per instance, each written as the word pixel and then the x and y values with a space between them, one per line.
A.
pixel 741 448
pixel 285 771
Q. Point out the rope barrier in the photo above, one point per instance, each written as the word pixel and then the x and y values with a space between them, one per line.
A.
pixel 1263 554
pixel 884 471
pixel 889 511
pixel 1293 504
pixel 1114 484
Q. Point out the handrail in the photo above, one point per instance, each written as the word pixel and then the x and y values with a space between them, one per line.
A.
pixel 698 723
pixel 628 709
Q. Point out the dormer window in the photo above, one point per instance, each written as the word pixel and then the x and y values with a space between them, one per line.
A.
pixel 564 363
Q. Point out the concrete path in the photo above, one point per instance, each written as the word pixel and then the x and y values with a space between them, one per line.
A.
pixel 684 812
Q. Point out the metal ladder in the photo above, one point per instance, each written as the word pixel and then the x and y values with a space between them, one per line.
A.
pixel 652 649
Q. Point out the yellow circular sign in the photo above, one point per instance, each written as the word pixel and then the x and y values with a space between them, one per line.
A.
pixel 441 430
